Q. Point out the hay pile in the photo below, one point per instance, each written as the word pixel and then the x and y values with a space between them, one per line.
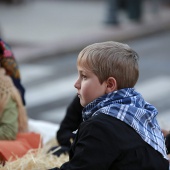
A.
pixel 36 159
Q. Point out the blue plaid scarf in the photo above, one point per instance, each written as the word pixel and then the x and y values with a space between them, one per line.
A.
pixel 129 106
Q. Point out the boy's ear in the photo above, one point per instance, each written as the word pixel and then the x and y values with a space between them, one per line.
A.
pixel 111 84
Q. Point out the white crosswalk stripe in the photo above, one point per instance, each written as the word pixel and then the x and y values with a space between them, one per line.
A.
pixel 164 119
pixel 51 91
pixel 31 72
pixel 154 88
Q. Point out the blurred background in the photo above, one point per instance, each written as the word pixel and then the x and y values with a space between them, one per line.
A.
pixel 47 35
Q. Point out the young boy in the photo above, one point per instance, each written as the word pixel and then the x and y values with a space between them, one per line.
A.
pixel 120 130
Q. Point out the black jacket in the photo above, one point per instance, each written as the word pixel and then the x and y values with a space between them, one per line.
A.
pixel 106 143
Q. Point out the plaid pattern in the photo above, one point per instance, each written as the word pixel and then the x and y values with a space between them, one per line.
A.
pixel 129 106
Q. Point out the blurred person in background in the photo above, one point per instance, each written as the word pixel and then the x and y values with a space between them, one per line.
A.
pixel 9 63
pixel 65 134
pixel 12 91
pixel 15 138
pixel 133 8
pixel 13 117
pixel 70 123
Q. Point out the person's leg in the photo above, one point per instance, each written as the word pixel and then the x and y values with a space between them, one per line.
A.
pixel 134 9
pixel 112 12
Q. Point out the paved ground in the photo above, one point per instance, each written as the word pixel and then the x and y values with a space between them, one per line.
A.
pixel 43 28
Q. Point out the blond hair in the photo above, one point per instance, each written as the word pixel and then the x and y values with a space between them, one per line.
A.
pixel 111 59
pixel 7 91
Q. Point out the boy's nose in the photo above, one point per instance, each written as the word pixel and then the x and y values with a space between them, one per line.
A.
pixel 77 84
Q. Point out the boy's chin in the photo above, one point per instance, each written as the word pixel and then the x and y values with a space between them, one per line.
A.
pixel 82 104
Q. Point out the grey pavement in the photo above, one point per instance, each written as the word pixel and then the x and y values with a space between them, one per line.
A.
pixel 42 28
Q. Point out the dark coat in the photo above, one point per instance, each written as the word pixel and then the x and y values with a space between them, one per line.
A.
pixel 106 143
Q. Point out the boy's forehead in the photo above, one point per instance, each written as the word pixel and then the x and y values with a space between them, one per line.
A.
pixel 82 69
pixel 82 62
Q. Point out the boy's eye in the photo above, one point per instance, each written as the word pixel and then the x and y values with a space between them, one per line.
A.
pixel 83 76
